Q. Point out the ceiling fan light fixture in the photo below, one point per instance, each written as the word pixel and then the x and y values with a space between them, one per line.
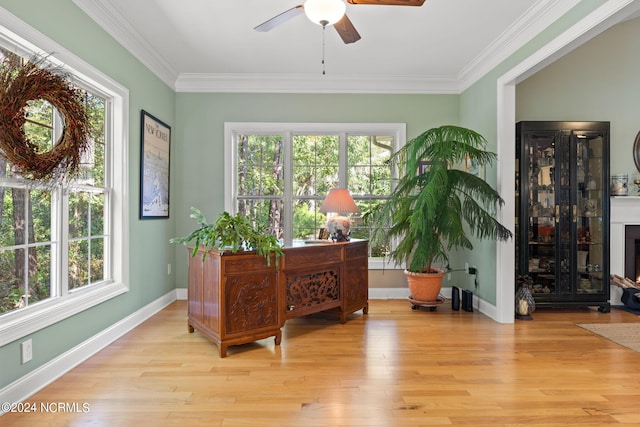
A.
pixel 325 12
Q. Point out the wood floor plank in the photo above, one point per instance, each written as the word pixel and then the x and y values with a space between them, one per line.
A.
pixel 392 367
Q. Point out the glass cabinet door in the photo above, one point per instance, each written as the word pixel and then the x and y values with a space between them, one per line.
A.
pixel 589 216
pixel 565 214
pixel 541 201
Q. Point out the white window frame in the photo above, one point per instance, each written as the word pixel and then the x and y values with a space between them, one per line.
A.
pixel 287 130
pixel 28 41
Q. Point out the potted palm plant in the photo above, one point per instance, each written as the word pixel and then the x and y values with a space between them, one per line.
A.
pixel 434 208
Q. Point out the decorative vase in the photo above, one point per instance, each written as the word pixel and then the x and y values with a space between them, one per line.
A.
pixel 619 184
pixel 525 304
pixel 425 287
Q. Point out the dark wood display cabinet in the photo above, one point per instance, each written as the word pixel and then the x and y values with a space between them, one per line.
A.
pixel 562 211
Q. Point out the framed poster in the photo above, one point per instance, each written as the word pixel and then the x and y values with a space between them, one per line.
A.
pixel 155 141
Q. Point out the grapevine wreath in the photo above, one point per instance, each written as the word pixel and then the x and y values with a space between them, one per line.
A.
pixel 32 80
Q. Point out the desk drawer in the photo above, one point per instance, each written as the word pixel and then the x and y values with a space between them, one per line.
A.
pixel 311 257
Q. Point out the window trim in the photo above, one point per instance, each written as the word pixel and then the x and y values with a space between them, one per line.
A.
pixel 231 129
pixel 27 40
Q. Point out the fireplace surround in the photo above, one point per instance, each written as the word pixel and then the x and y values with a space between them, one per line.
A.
pixel 625 217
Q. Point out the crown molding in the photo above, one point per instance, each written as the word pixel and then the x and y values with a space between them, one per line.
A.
pixel 117 25
pixel 304 83
pixel 539 16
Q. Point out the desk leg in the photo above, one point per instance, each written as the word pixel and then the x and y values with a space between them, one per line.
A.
pixel 222 350
pixel 343 317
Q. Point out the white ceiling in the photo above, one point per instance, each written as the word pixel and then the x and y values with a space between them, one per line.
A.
pixel 210 45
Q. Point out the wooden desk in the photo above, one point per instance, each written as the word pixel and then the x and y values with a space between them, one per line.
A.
pixel 236 298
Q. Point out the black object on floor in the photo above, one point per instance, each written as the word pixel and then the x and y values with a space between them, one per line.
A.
pixel 467 300
pixel 629 298
pixel 455 298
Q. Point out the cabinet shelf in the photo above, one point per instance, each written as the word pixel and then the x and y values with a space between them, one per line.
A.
pixel 549 188
pixel 541 271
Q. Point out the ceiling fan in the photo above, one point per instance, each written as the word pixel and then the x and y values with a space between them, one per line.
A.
pixel 330 12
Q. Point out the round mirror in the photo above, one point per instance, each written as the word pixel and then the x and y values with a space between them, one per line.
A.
pixel 636 151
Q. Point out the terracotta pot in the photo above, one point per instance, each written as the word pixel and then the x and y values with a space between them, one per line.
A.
pixel 425 287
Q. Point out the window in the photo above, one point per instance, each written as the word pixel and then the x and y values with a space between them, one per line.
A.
pixel 62 248
pixel 280 173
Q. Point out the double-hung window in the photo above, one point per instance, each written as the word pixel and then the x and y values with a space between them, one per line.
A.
pixel 62 244
pixel 279 173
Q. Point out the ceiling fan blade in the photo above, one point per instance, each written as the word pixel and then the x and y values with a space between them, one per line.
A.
pixel 280 19
pixel 389 2
pixel 346 30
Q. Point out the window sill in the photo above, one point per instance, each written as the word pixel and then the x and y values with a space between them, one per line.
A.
pixel 383 264
pixel 23 322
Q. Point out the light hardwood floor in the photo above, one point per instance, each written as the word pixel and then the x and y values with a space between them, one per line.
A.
pixel 392 367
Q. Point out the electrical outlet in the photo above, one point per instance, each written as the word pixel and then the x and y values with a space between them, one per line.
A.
pixel 27 351
pixel 448 276
pixel 466 267
pixel 168 269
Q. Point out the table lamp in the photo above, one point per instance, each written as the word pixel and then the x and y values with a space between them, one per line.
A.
pixel 340 202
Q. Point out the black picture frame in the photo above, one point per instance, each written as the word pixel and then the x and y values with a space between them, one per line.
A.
pixel 155 160
pixel 424 166
pixel 323 234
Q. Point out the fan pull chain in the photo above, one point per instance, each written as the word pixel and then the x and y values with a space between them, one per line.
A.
pixel 324 27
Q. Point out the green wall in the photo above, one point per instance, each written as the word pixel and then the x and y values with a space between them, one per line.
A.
pixel 150 252
pixel 593 82
pixel 200 131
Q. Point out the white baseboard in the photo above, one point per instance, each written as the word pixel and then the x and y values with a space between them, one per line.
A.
pixel 399 293
pixel 489 310
pixel 37 379
pixel 392 293
pixel 388 293
pixel 403 293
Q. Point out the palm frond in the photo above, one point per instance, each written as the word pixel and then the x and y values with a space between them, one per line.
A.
pixel 428 211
